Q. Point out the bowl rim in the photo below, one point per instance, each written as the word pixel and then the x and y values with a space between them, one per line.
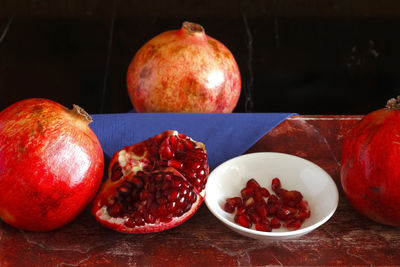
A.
pixel 281 233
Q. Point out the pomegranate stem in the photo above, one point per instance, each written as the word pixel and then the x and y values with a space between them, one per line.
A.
pixel 393 103
pixel 192 27
pixel 81 113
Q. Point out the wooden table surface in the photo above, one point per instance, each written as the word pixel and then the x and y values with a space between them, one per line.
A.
pixel 346 239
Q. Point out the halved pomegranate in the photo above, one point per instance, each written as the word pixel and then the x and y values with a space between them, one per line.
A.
pixel 153 185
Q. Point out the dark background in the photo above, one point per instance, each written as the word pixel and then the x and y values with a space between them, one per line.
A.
pixel 309 57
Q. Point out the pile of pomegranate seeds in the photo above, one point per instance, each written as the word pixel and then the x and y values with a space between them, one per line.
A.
pixel 266 211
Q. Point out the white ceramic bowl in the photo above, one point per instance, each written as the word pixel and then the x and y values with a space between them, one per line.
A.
pixel 295 173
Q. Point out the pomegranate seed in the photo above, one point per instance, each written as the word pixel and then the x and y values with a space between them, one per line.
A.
pixel 125 188
pixel 285 213
pixel 115 210
pixel 158 177
pixel 258 194
pixel 175 164
pixel 162 210
pixel 166 219
pixel 181 201
pixel 246 192
pixel 175 182
pixel 173 195
pixel 140 174
pixel 252 183
pixel 228 207
pixel 265 227
pixel 253 216
pixel 232 203
pixel 275 184
pixel 294 225
pixel 272 210
pixel 303 206
pixel 302 215
pixel 172 206
pixel 181 146
pixel 198 182
pixel 275 223
pixel 265 192
pixel 189 145
pixel 272 199
pixel 187 207
pixel 193 198
pixel 192 175
pixel 182 136
pixel 173 141
pixel 291 198
pixel 184 192
pixel 243 220
pixel 195 165
pixel 201 173
pixel 261 211
pixel 143 195
pixel 164 186
pixel 241 210
pixel 149 218
pixel 159 199
pixel 179 212
pixel 137 181
pixel 249 202
pixel 116 172
pixel 235 201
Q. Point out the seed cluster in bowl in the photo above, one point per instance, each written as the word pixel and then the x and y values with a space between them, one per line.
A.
pixel 266 211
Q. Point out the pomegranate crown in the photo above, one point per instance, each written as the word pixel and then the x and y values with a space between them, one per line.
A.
pixel 393 103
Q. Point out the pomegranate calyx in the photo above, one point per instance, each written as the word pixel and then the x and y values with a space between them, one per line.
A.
pixel 192 28
pixel 393 103
pixel 80 113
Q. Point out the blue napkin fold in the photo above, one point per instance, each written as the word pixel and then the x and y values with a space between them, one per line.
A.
pixel 224 135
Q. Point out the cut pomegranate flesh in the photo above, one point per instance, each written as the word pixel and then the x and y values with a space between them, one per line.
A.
pixel 266 211
pixel 153 185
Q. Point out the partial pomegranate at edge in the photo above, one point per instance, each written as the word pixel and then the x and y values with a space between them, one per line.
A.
pixel 184 71
pixel 51 164
pixel 370 171
pixel 153 185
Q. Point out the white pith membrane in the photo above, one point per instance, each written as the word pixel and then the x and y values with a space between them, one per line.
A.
pixel 131 164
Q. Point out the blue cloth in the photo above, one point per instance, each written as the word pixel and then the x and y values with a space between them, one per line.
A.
pixel 224 135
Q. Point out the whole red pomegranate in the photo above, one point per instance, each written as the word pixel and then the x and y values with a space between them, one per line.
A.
pixel 184 71
pixel 370 171
pixel 153 185
pixel 51 164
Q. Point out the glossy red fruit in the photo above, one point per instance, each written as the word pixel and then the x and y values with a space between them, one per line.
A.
pixel 51 164
pixel 184 71
pixel 153 185
pixel 370 171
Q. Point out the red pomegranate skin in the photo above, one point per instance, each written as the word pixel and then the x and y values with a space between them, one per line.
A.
pixel 51 164
pixel 184 71
pixel 370 171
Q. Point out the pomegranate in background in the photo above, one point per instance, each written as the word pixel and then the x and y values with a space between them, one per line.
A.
pixel 184 71
pixel 370 171
pixel 51 164
pixel 153 185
